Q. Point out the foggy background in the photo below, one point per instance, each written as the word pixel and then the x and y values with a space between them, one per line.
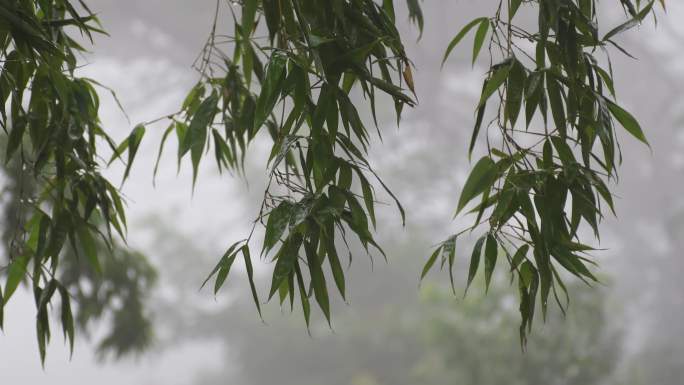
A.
pixel 628 331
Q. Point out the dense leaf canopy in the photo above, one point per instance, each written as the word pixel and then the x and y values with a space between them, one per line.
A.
pixel 294 71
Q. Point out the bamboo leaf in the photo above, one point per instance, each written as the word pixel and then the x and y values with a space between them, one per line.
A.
pixel 481 177
pixel 460 35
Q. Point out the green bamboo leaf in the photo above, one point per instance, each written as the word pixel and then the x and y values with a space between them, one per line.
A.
pixel 221 262
pixel 273 16
pixel 285 261
pixel 607 79
pixel 474 261
pixel 491 251
pixel 283 290
pixel 481 177
pixel 134 140
pixel 457 39
pixel 270 89
pixel 42 333
pixel 67 318
pixel 388 7
pixel 278 219
pixel 495 81
pixel 196 136
pixel 224 270
pixel 563 150
pixel 430 262
pixel 631 23
pixel 335 265
pixel 572 263
pixel 519 256
pixel 306 306
pixel 627 121
pixel 250 277
pixel 514 5
pixel 249 9
pixel 192 100
pixel 478 124
pixel 89 247
pixel 553 89
pixel 317 279
pixel 514 92
pixel 2 309
pixel 415 14
pixel 368 197
pixel 480 35
pixel 449 253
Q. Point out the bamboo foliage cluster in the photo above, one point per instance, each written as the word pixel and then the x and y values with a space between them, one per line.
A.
pixel 555 117
pixel 50 119
pixel 295 85
pixel 292 71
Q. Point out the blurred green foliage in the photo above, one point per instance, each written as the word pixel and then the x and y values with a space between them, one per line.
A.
pixel 115 297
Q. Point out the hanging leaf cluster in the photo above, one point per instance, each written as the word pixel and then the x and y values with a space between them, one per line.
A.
pixel 547 109
pixel 293 71
pixel 50 119
pixel 295 85
pixel 551 122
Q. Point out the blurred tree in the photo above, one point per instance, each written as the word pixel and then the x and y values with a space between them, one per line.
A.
pixel 61 206
pixel 435 341
pixel 474 346
pixel 389 336
pixel 660 358
pixel 298 85
pixel 116 295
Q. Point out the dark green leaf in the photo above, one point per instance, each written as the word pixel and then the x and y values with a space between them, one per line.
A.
pixel 250 277
pixel 134 140
pixel 430 262
pixel 457 39
pixel 270 89
pixel 480 35
pixel 495 81
pixel 627 121
pixel 481 177
pixel 317 279
pixel 196 137
pixel 89 247
pixel 278 219
pixel 475 261
pixel 491 251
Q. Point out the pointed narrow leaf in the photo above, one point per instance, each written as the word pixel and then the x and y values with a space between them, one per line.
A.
pixel 457 39
pixel 89 248
pixel 134 140
pixel 495 81
pixel 430 262
pixel 286 258
pixel 250 277
pixel 481 177
pixel 318 280
pixel 627 121
pixel 278 219
pixel 491 251
pixel 475 261
pixel 335 265
pixel 270 89
pixel 480 35
pixel 196 137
